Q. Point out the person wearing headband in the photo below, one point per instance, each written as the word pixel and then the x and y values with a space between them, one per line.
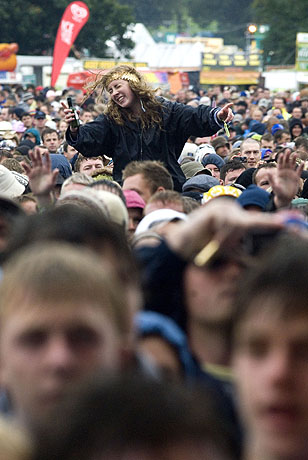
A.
pixel 138 125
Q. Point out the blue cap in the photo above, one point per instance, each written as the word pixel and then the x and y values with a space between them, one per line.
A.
pixel 254 196
pixel 265 152
pixel 39 114
pixel 212 159
pixel 202 183
pixel 276 127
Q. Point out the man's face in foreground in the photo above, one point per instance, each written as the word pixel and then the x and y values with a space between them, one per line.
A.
pixel 52 142
pixel 138 183
pixel 46 348
pixel 270 363
pixel 90 165
pixel 252 151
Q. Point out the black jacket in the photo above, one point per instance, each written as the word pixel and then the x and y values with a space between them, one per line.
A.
pixel 129 142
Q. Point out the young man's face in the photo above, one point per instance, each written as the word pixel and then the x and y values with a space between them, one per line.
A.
pixel 258 115
pixel 270 363
pixel 90 165
pixel 134 217
pixel 253 153
pixel 297 112
pixel 267 144
pixel 278 103
pixel 223 151
pixel 86 117
pixel 214 170
pixel 262 178
pixel 4 114
pixel 52 142
pixel 70 153
pixel 139 184
pixel 39 122
pixel 209 292
pixel 46 348
pixel 27 121
pixel 232 175
pixel 284 139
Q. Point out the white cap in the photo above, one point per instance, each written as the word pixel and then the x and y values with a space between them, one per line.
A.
pixel 203 149
pixel 160 216
pixel 9 186
pixel 51 124
pixel 189 150
pixel 50 93
pixel 5 126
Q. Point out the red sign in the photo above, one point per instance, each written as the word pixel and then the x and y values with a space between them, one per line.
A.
pixel 74 18
pixel 77 80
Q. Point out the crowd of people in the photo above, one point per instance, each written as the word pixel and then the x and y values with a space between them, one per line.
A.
pixel 153 293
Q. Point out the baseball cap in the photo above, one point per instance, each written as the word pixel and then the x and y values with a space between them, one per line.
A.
pixel 221 190
pixel 213 159
pixel 10 187
pixel 160 216
pixel 27 96
pixel 194 168
pixel 39 115
pixel 201 182
pixel 202 150
pixel 254 196
pixel 276 127
pixel 133 199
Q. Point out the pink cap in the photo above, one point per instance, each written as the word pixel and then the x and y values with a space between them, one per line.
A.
pixel 133 199
pixel 18 126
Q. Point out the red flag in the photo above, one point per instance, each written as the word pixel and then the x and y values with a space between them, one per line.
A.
pixel 74 18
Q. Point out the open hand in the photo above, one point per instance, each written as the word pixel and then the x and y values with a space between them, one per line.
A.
pixel 42 179
pixel 285 180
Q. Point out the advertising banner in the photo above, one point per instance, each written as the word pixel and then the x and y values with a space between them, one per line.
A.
pixel 74 18
pixel 301 52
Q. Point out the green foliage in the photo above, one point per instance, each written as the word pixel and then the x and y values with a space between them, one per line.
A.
pixel 151 14
pixel 33 24
pixel 285 18
pixel 230 16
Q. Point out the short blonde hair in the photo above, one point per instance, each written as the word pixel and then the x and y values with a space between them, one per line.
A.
pixel 59 273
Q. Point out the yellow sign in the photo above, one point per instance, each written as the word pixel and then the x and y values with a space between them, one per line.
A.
pixel 106 64
pixel 214 44
pixel 227 77
pixel 223 60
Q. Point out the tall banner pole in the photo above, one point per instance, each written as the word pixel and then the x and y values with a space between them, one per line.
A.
pixel 74 18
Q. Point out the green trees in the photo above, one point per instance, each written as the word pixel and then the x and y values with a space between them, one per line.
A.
pixel 33 25
pixel 285 18
pixel 228 17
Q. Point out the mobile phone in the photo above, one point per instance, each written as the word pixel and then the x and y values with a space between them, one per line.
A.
pixel 242 159
pixel 76 122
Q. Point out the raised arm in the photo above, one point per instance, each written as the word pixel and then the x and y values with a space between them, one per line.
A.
pixel 42 179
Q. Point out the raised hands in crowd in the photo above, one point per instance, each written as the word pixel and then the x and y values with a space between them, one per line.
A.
pixel 192 184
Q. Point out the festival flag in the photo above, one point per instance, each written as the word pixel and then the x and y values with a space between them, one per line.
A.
pixel 74 18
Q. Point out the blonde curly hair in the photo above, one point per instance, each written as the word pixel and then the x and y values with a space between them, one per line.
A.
pixel 150 116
